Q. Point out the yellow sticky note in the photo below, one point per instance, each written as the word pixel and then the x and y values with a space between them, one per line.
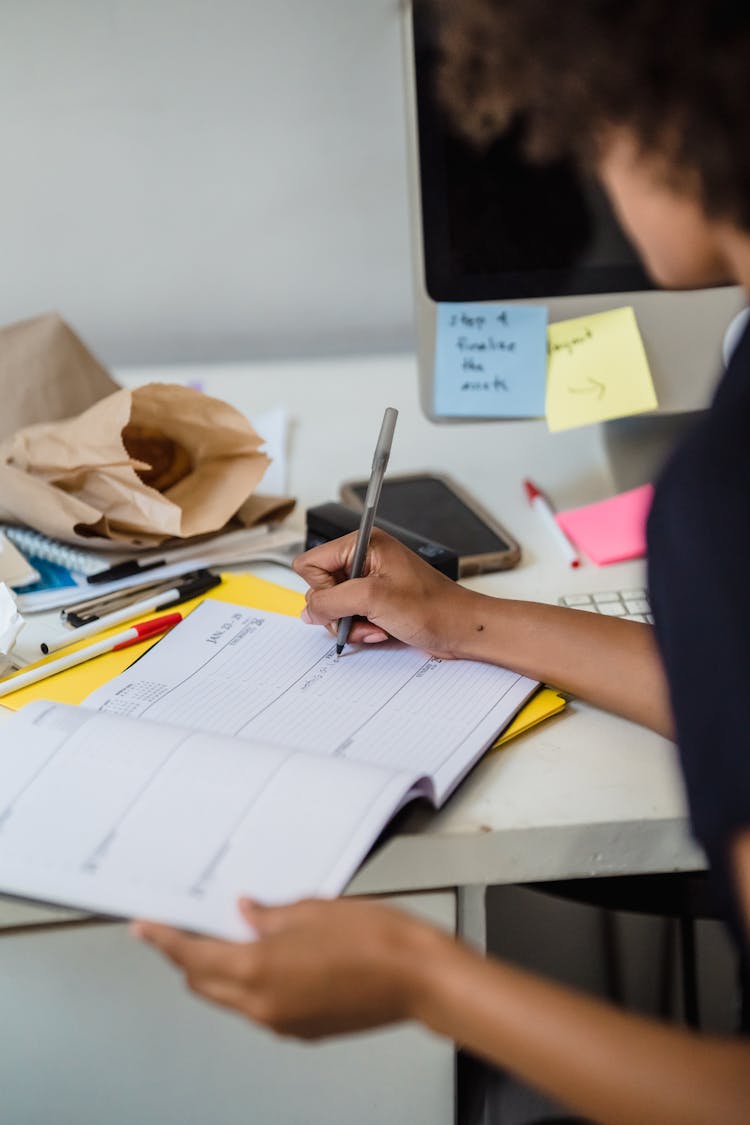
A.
pixel 596 369
pixel 541 706
pixel 73 685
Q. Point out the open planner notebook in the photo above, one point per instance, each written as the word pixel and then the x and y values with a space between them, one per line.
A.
pixel 238 756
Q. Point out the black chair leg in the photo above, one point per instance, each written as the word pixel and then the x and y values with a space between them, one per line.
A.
pixel 743 976
pixel 613 985
pixel 689 971
pixel 667 942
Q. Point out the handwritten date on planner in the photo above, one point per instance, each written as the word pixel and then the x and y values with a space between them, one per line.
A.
pixel 490 360
pixel 220 634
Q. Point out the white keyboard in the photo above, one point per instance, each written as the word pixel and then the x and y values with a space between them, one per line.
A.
pixel 631 605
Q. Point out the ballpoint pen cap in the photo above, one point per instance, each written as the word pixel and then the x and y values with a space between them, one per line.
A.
pixel 201 584
pixel 531 490
pixel 381 456
pixel 389 424
pixel 385 437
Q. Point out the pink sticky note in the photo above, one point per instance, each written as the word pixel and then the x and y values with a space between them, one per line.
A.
pixel 611 530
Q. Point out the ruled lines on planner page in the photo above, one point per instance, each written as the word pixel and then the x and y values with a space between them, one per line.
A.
pixel 149 820
pixel 266 677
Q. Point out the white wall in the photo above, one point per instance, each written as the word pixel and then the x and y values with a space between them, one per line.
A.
pixel 96 1030
pixel 191 180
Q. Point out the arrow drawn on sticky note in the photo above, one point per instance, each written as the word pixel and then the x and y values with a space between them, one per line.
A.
pixel 595 387
pixel 597 369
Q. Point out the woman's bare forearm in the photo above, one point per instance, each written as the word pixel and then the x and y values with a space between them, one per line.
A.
pixel 614 664
pixel 614 1067
pixel 611 663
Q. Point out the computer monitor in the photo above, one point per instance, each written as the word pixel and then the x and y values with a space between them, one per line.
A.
pixel 488 225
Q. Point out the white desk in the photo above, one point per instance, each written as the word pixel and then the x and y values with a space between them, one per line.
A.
pixel 586 794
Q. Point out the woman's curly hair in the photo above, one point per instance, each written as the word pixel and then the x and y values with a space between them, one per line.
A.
pixel 674 73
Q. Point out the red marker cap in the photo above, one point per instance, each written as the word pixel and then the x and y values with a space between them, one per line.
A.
pixel 531 490
pixel 149 628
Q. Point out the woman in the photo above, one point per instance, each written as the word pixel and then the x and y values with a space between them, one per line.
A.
pixel 654 96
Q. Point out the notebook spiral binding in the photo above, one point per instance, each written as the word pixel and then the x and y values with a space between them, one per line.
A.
pixel 35 545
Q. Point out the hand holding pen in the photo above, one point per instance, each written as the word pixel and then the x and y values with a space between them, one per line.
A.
pixel 379 465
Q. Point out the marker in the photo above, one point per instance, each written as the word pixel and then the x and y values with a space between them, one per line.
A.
pixel 129 637
pixel 379 465
pixel 165 599
pixel 82 613
pixel 123 570
pixel 544 510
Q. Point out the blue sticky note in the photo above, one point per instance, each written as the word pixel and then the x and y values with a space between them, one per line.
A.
pixel 490 360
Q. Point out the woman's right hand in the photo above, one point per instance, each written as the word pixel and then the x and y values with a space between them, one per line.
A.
pixel 398 595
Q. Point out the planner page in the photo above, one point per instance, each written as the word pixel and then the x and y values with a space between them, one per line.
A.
pixel 271 678
pixel 154 821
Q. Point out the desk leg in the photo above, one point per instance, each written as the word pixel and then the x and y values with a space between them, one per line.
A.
pixel 472 916
pixel 472 1075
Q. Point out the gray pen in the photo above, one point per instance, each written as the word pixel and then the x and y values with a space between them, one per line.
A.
pixel 379 465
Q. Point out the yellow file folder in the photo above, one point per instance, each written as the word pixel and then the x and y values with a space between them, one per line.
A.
pixel 75 684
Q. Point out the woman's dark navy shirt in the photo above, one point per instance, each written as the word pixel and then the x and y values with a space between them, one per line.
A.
pixel 699 583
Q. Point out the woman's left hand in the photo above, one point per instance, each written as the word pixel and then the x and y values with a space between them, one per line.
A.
pixel 318 968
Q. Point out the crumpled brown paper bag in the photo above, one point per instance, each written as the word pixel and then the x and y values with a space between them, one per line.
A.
pixel 74 479
pixel 46 373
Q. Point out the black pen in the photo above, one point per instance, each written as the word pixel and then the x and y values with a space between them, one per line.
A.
pixel 379 465
pixel 162 600
pixel 123 570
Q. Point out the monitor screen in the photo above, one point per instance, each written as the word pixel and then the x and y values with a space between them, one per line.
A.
pixel 491 225
pixel 497 225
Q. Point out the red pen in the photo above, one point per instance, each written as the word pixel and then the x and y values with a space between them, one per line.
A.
pixel 142 630
pixel 545 511
pixel 128 637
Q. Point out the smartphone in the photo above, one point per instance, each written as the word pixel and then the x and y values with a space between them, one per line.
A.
pixel 435 507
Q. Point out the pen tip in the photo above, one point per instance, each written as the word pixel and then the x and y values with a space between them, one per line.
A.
pixel 339 649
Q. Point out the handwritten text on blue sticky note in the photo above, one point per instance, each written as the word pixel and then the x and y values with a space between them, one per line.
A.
pixel 490 360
